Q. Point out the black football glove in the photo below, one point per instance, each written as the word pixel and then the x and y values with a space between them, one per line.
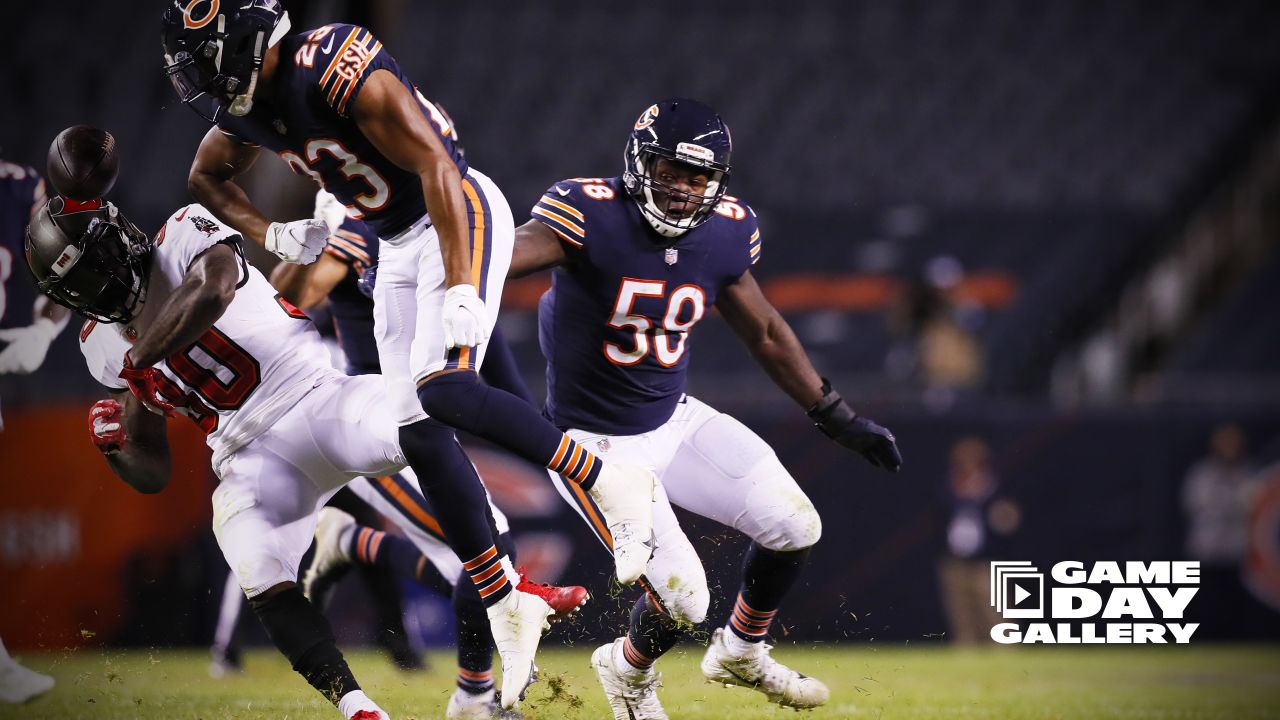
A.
pixel 838 421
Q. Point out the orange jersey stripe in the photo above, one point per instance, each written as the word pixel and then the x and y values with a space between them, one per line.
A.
pixel 337 57
pixel 568 224
pixel 563 206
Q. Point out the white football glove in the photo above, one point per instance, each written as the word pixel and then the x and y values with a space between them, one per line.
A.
pixel 329 209
pixel 464 317
pixel 299 242
pixel 27 346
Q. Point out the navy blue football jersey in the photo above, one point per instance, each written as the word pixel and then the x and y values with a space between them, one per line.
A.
pixel 21 190
pixel 356 246
pixel 615 324
pixel 307 121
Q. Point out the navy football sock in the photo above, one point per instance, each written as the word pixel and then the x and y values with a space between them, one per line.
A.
pixel 461 400
pixel 475 641
pixel 304 636
pixel 767 575
pixel 651 634
pixel 449 480
pixel 375 547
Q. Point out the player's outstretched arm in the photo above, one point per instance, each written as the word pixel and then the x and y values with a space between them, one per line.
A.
pixel 536 248
pixel 204 294
pixel 775 346
pixel 133 440
pixel 211 182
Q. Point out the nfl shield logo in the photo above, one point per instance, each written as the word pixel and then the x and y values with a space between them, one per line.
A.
pixel 671 256
pixel 603 445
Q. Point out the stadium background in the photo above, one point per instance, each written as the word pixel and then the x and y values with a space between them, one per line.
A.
pixel 1082 196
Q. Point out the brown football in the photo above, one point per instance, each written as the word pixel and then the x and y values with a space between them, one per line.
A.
pixel 83 163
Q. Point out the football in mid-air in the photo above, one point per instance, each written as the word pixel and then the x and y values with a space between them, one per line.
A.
pixel 83 163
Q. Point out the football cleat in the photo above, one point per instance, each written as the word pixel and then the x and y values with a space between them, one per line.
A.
pixel 478 706
pixel 564 600
pixel 19 684
pixel 631 696
pixel 331 559
pixel 517 622
pixel 625 495
pixel 758 671
pixel 369 715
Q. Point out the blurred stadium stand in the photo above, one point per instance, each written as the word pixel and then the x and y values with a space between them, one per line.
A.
pixel 1053 160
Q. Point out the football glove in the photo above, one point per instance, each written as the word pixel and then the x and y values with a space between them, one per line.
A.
pixel 299 242
pixel 106 426
pixel 145 384
pixel 329 209
pixel 27 346
pixel 833 416
pixel 464 317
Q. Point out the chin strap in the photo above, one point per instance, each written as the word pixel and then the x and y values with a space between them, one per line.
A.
pixel 243 103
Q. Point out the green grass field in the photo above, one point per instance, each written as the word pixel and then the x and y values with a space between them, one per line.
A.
pixel 866 682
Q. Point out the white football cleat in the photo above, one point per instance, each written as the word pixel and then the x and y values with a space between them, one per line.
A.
pixel 517 621
pixel 631 696
pixel 19 684
pixel 478 706
pixel 624 494
pixel 330 555
pixel 758 671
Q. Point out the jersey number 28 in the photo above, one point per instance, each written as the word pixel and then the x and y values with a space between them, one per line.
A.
pixel 666 352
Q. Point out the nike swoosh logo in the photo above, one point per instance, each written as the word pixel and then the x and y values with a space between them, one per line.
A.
pixel 183 213
pixel 328 46
pixel 563 192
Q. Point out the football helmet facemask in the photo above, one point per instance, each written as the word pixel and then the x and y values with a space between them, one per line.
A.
pixel 683 131
pixel 213 51
pixel 89 258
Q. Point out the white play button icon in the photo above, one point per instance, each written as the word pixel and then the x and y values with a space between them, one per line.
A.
pixel 1019 594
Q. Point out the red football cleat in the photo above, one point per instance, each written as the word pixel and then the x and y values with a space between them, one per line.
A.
pixel 368 715
pixel 564 601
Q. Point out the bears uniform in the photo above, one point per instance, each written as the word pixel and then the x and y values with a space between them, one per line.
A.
pixel 321 74
pixel 21 191
pixel 615 329
pixel 260 383
pixel 639 259
pixel 398 497
pixel 625 374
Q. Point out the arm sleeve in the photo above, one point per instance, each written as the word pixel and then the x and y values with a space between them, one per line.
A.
pixel 560 208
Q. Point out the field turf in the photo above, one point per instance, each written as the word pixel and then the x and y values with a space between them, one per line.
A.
pixel 867 681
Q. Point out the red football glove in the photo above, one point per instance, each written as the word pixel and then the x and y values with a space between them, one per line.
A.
pixel 145 383
pixel 106 426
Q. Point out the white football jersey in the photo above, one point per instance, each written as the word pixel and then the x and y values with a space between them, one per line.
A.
pixel 252 366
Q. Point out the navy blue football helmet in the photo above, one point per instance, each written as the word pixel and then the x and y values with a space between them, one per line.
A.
pixel 686 132
pixel 213 50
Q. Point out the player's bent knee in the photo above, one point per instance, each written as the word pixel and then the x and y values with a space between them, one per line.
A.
pixel 451 397
pixel 787 520
pixel 685 596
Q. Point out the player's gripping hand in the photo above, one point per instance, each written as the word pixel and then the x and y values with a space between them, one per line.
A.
pixel 106 426
pixel 838 421
pixel 464 317
pixel 27 346
pixel 330 210
pixel 145 383
pixel 299 242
